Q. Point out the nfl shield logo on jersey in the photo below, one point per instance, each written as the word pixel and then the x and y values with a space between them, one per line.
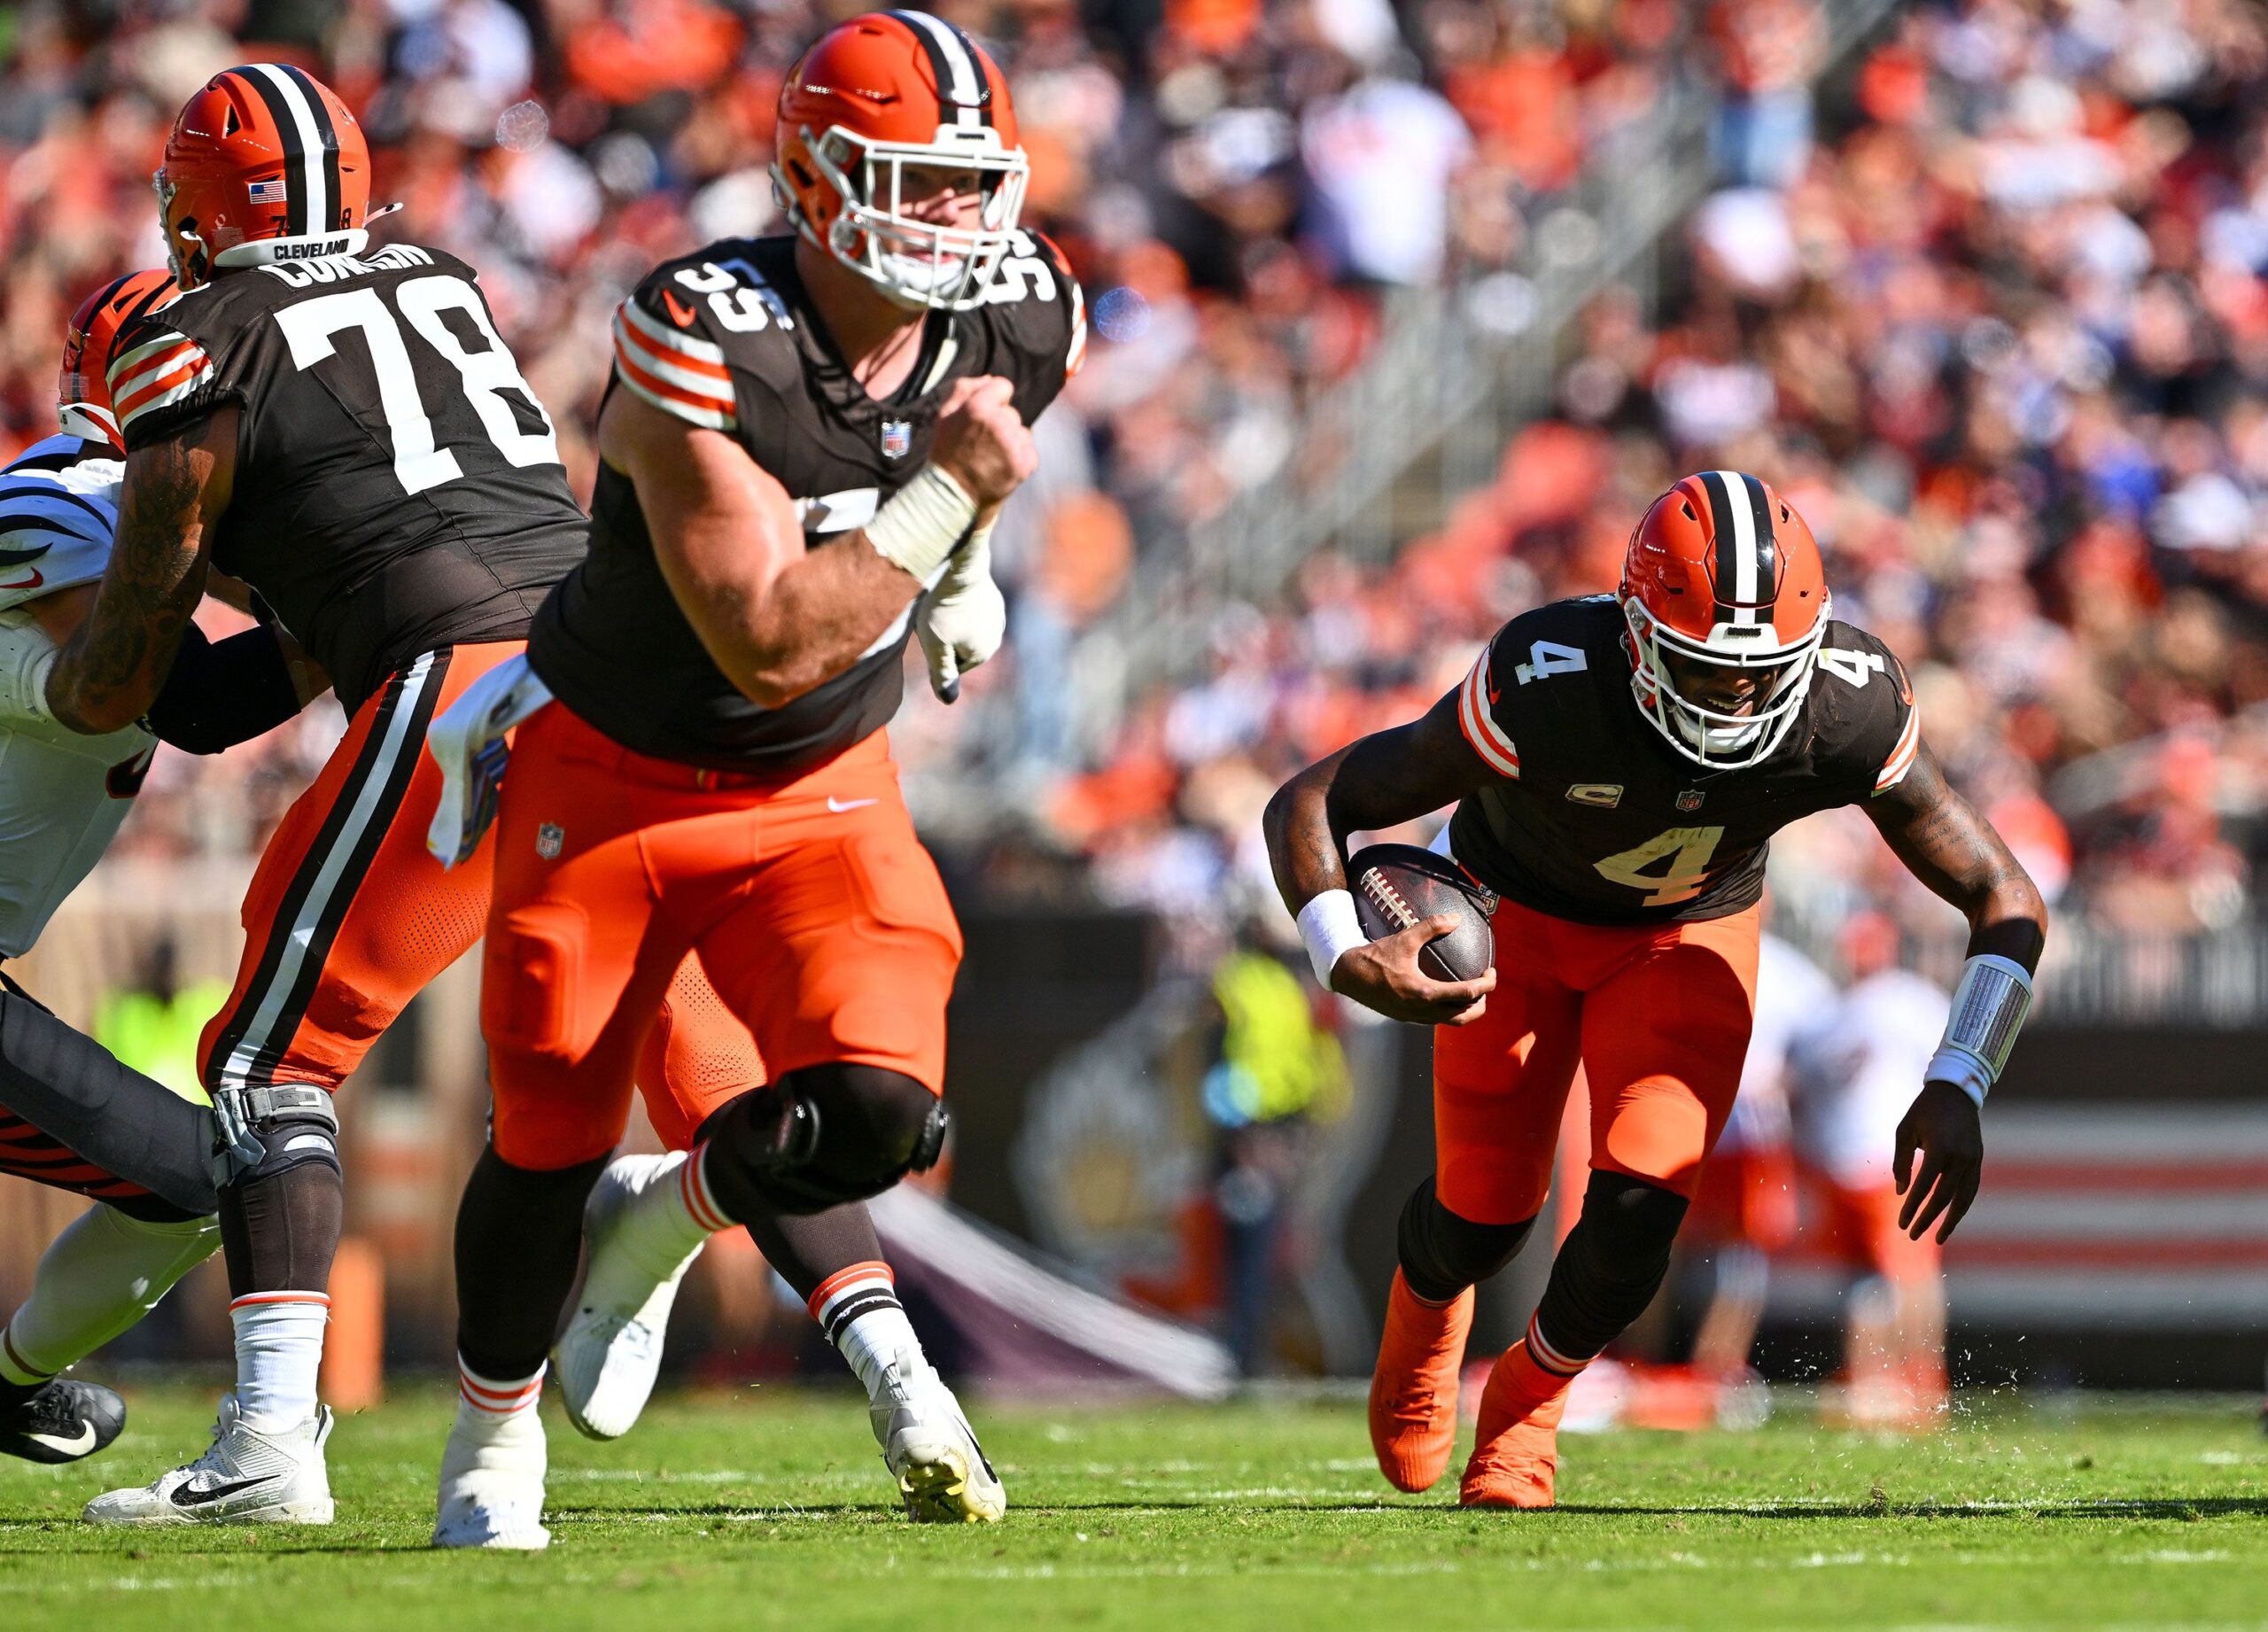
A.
pixel 548 838
pixel 1691 799
pixel 897 438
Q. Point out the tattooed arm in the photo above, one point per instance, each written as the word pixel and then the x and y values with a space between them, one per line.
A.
pixel 1949 847
pixel 1391 777
pixel 111 670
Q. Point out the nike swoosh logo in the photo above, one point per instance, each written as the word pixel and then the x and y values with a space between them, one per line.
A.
pixel 32 582
pixel 78 1445
pixel 184 1497
pixel 680 311
pixel 840 805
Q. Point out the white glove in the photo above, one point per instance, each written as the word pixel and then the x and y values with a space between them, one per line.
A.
pixel 26 659
pixel 963 619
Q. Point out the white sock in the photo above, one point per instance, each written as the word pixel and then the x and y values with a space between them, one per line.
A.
pixel 491 1407
pixel 858 1310
pixel 492 1468
pixel 279 1351
pixel 497 1429
pixel 660 1228
pixel 102 1274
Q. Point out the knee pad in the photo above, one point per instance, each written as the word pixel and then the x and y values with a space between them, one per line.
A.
pixel 823 1136
pixel 1442 1254
pixel 264 1131
pixel 1631 1220
pixel 1611 1264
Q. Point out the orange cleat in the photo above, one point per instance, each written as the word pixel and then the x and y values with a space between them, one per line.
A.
pixel 1413 1391
pixel 1516 1457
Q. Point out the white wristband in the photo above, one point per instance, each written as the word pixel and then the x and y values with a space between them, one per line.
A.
pixel 923 523
pixel 1962 1068
pixel 1989 1004
pixel 1329 925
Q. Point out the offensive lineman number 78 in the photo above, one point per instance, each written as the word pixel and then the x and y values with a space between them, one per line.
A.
pixel 487 375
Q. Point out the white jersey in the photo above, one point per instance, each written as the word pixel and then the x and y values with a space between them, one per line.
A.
pixel 1790 994
pixel 62 795
pixel 1859 1071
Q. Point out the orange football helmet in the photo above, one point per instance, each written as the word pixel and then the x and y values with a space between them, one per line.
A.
pixel 876 96
pixel 1722 573
pixel 265 163
pixel 83 404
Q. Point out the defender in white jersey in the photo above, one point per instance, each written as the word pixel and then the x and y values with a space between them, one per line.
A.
pixel 1846 1065
pixel 70 1116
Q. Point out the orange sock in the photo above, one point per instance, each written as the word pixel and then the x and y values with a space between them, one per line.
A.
pixel 1413 1390
pixel 1515 1459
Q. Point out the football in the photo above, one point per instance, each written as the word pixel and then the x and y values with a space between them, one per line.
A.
pixel 1397 885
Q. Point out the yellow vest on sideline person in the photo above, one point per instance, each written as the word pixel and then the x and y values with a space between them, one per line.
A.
pixel 157 1036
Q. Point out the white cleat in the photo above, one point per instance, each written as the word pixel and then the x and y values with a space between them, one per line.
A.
pixel 607 1359
pixel 942 1471
pixel 250 1476
pixel 492 1485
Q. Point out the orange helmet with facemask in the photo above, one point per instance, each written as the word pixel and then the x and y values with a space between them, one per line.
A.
pixel 1722 572
pixel 82 401
pixel 878 96
pixel 265 163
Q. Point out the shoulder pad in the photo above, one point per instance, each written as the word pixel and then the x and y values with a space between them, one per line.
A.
pixel 56 454
pixel 696 322
pixel 156 366
pixel 51 537
pixel 1038 314
pixel 1872 726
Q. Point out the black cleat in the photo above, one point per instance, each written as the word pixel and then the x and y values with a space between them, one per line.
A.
pixel 63 1422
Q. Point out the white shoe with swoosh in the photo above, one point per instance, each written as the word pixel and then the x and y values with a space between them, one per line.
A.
pixel 250 1476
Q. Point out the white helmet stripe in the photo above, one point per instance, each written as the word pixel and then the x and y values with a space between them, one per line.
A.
pixel 1743 524
pixel 308 160
pixel 956 64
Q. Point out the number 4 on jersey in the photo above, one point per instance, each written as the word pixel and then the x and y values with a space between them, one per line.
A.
pixel 1682 853
pixel 1547 658
pixel 1853 668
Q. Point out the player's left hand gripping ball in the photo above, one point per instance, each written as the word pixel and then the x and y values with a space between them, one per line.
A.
pixel 963 619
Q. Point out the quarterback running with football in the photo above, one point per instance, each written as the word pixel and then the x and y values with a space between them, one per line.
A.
pixel 1619 764
pixel 805 442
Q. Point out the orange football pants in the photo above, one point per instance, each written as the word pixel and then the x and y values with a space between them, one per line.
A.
pixel 817 915
pixel 348 917
pixel 1657 1015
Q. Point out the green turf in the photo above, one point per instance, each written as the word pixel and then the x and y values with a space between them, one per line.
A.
pixel 765 1508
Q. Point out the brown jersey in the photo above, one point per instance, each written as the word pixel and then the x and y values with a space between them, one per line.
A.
pixel 725 339
pixel 1592 817
pixel 398 487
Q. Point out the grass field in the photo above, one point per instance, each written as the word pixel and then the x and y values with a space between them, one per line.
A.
pixel 767 1509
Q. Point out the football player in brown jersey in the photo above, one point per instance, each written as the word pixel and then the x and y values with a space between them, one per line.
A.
pixel 346 433
pixel 805 442
pixel 1619 764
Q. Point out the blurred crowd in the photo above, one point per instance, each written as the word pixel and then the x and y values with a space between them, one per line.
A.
pixel 1991 313
pixel 1995 321
pixel 1235 181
